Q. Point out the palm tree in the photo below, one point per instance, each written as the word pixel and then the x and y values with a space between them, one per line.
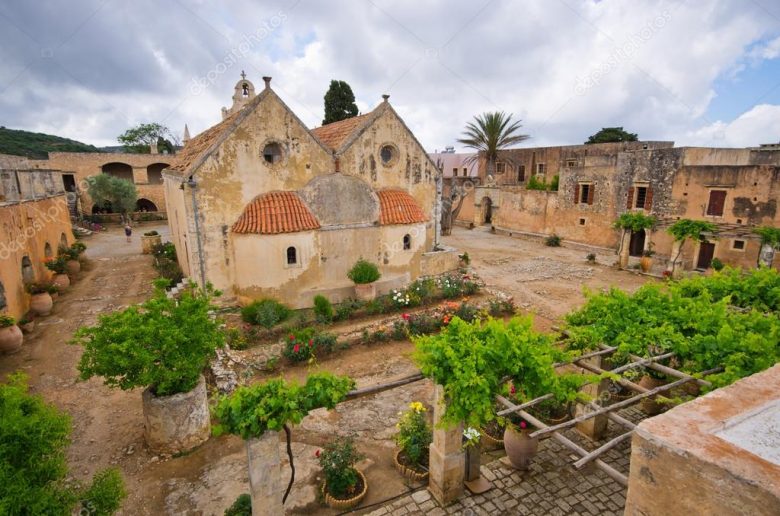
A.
pixel 490 132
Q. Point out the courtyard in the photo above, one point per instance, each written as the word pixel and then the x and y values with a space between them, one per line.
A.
pixel 108 424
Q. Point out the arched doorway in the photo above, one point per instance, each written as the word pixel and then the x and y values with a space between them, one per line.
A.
pixel 154 173
pixel 487 210
pixel 120 170
pixel 637 244
pixel 145 205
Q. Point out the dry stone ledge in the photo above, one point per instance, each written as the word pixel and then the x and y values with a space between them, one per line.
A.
pixel 177 423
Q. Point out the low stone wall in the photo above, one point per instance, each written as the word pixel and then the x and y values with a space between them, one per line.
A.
pixel 438 262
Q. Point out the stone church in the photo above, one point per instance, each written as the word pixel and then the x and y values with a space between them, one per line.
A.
pixel 261 206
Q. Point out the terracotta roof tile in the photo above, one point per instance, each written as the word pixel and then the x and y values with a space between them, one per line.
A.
pixel 335 134
pixel 198 145
pixel 398 207
pixel 275 212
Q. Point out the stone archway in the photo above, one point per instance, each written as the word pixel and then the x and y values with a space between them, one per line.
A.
pixel 145 205
pixel 120 170
pixel 154 173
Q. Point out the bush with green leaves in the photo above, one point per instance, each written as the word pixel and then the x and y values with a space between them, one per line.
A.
pixel 364 272
pixel 163 343
pixel 323 310
pixel 34 438
pixel 6 321
pixel 635 221
pixel 717 265
pixel 151 233
pixel 306 343
pixel 338 459
pixel 346 308
pixel 250 411
pixel 552 241
pixel 266 313
pixel 56 265
pixel 166 264
pixel 414 434
pixel 471 362
pixel 241 507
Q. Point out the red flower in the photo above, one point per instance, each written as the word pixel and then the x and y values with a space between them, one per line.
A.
pixel 296 348
pixel 317 454
pixel 406 317
pixel 523 424
pixel 512 389
pixel 292 337
pixel 311 342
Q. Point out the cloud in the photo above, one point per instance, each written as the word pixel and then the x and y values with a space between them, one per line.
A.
pixel 648 65
pixel 759 125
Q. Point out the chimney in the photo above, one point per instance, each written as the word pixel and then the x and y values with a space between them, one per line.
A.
pixel 385 97
pixel 267 81
pixel 337 165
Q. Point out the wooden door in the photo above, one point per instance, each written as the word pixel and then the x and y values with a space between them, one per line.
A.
pixel 706 252
pixel 637 244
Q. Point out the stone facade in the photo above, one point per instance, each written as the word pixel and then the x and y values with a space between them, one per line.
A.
pixel 363 187
pixel 597 183
pixel 34 222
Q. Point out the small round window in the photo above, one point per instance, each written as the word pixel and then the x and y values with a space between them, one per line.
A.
pixel 388 154
pixel 272 153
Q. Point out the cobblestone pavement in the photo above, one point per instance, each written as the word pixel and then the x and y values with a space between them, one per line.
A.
pixel 550 487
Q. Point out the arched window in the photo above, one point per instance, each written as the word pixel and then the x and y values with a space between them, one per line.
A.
pixel 292 256
pixel 407 242
pixel 28 274
pixel 47 250
pixel 145 205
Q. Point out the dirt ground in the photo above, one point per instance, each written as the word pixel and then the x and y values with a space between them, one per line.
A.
pixel 108 424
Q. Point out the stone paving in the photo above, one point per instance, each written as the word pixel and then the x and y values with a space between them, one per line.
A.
pixel 550 487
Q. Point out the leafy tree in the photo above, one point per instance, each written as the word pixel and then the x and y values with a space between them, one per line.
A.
pixel 612 134
pixel 119 193
pixel 339 102
pixel 34 437
pixel 139 139
pixel 695 230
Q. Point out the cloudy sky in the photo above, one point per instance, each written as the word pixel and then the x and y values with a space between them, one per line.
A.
pixel 699 72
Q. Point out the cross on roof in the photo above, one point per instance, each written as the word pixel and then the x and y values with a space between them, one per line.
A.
pixel 243 74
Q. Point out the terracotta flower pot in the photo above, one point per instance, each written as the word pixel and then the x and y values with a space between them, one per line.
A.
pixel 520 448
pixel 61 281
pixel 646 263
pixel 365 291
pixel 348 503
pixel 648 405
pixel 408 471
pixel 10 339
pixel 41 304
pixel 73 267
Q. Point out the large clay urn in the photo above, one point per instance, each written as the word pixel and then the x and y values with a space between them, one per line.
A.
pixel 365 291
pixel 41 304
pixel 177 423
pixel 10 339
pixel 646 263
pixel 61 281
pixel 648 405
pixel 73 267
pixel 520 448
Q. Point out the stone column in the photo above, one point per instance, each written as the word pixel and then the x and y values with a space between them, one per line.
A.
pixel 594 427
pixel 625 250
pixel 265 483
pixel 447 460
pixel 766 255
pixel 675 266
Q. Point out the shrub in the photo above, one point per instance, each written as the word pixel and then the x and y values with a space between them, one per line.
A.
pixel 34 437
pixel 338 461
pixel 424 288
pixel 151 233
pixel 400 329
pixel 422 324
pixel 554 183
pixel 414 434
pixel 717 264
pixel 241 507
pixel 404 298
pixel 466 312
pixel 324 342
pixel 501 306
pixel 56 265
pixel 323 309
pixel 162 343
pixel 345 309
pixel 364 272
pixel 6 321
pixel 166 264
pixel 591 257
pixel 465 258
pixel 299 345
pixel 552 241
pixel 451 286
pixel 236 339
pixel 265 312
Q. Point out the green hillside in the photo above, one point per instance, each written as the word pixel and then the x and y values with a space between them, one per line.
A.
pixel 38 145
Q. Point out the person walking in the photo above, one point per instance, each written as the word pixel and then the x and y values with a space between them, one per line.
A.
pixel 128 231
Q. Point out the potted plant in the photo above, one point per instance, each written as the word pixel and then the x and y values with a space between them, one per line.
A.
pixel 27 325
pixel 71 257
pixel 41 301
pixel 519 446
pixel 493 432
pixel 552 411
pixel 413 439
pixel 149 240
pixel 464 259
pixel 345 486
pixel 364 274
pixel 163 345
pixel 57 266
pixel 646 262
pixel 10 335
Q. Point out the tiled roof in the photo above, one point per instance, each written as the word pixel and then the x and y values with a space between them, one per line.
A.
pixel 334 135
pixel 275 212
pixel 398 207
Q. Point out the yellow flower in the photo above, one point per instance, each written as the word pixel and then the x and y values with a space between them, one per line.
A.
pixel 417 406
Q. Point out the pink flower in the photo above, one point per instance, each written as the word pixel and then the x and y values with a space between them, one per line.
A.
pixel 406 317
pixel 311 342
pixel 523 424
pixel 296 348
pixel 512 389
pixel 317 454
pixel 292 337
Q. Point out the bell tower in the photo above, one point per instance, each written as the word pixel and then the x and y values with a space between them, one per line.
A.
pixel 243 92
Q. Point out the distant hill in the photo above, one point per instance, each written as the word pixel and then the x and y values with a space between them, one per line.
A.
pixel 38 145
